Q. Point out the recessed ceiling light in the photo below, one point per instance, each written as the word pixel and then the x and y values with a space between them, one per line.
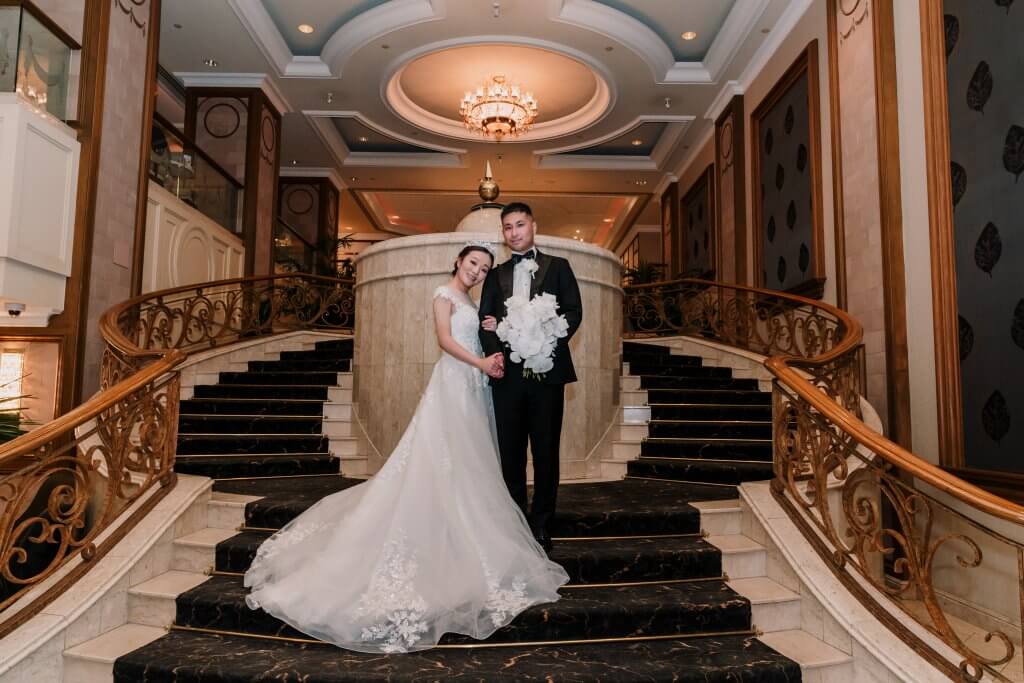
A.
pixel 354 178
pixel 608 220
pixel 210 61
pixel 295 162
pixel 177 26
pixel 348 227
pixel 305 28
pixel 636 142
pixel 577 231
pixel 394 218
pixel 363 138
pixel 688 35
pixel 638 181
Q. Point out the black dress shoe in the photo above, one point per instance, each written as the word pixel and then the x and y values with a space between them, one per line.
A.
pixel 544 538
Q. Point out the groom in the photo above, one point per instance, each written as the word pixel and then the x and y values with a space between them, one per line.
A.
pixel 529 410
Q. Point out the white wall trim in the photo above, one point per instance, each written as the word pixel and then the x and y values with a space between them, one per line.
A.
pixel 201 79
pixel 372 24
pixel 314 172
pixel 560 158
pixel 405 159
pixel 722 99
pixel 358 116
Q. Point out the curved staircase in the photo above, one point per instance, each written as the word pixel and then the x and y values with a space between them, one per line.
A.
pixel 664 586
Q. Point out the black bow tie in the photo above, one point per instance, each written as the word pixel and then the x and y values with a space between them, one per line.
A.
pixel 516 258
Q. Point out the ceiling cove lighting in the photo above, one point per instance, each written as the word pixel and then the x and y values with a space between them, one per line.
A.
pixel 636 142
pixel 498 109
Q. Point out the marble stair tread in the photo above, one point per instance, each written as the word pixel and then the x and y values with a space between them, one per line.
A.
pixel 601 612
pixel 301 365
pixel 589 561
pixel 761 590
pixel 279 378
pixel 205 538
pixel 718 396
pixel 707 448
pixel 219 444
pixel 107 647
pixel 747 429
pixel 205 658
pixel 731 544
pixel 170 584
pixel 249 425
pixel 649 383
pixel 710 411
pixel 638 370
pixel 314 355
pixel 262 391
pixel 230 466
pixel 723 516
pixel 251 407
pixel 717 471
pixel 803 648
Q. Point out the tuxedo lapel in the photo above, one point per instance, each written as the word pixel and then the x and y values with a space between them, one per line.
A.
pixel 543 263
pixel 505 272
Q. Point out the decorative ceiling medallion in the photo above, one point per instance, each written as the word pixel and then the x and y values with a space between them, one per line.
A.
pixel 498 109
pixel 576 90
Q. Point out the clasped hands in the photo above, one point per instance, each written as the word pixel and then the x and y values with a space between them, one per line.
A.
pixel 493 365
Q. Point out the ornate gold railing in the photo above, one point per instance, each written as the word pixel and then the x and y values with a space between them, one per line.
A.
pixel 72 488
pixel 896 530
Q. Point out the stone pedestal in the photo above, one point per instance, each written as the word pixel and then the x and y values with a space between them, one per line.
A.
pixel 396 348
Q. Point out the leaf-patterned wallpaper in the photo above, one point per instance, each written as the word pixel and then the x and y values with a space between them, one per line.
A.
pixel 985 68
pixel 698 222
pixel 786 190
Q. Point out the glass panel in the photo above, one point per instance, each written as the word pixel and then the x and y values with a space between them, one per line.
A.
pixel 179 167
pixel 292 254
pixel 10 18
pixel 43 67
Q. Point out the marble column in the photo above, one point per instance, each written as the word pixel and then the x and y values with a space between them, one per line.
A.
pixel 395 346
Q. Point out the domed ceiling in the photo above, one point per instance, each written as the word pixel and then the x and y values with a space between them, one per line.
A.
pixel 370 89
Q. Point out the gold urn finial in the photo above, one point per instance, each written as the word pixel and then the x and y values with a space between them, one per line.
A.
pixel 488 189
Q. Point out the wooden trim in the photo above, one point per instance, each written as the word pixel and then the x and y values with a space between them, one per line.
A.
pixel 252 159
pixel 943 255
pixel 670 227
pixel 805 64
pixel 835 118
pixel 891 218
pixel 704 184
pixel 627 224
pixel 1009 485
pixel 737 111
pixel 193 146
pixel 148 110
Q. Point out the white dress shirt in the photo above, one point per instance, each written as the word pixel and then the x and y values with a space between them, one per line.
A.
pixel 521 277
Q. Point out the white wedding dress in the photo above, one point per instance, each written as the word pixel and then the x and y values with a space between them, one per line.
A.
pixel 432 544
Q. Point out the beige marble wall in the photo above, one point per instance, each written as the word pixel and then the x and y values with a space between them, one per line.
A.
pixel 395 348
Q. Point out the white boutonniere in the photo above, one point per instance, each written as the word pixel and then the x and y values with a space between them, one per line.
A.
pixel 531 267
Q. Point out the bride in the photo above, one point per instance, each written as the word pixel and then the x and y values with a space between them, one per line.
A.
pixel 433 543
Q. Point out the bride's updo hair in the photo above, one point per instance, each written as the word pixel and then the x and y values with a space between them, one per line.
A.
pixel 466 250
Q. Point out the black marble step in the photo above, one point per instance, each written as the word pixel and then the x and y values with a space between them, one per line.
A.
pixel 303 365
pixel 187 657
pixel 714 471
pixel 743 429
pixel 265 392
pixel 661 360
pixel 686 383
pixel 678 370
pixel 249 424
pixel 217 444
pixel 721 449
pixel 711 411
pixel 600 612
pixel 335 345
pixel 270 465
pixel 316 355
pixel 615 508
pixel 221 406
pixel 277 378
pixel 662 396
pixel 589 561
pixel 637 347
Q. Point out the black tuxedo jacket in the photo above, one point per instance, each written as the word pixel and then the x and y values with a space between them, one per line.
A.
pixel 553 276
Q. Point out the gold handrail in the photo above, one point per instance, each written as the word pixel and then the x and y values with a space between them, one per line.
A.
pixel 855 495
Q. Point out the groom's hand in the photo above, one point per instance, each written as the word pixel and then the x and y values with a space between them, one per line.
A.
pixel 490 323
pixel 496 366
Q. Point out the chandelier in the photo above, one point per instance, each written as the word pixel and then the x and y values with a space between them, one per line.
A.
pixel 498 109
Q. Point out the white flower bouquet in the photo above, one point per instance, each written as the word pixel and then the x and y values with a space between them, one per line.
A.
pixel 532 329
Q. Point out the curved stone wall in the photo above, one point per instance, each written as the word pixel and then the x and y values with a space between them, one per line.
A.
pixel 395 347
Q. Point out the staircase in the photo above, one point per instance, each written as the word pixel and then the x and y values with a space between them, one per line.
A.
pixel 664 584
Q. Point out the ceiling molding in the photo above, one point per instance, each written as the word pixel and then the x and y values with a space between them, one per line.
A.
pixel 358 116
pixel 202 79
pixel 399 104
pixel 663 184
pixel 258 22
pixel 561 157
pixel 649 46
pixel 331 138
pixel 722 99
pixel 405 159
pixel 372 24
pixel 314 172
pixel 695 149
pixel 794 11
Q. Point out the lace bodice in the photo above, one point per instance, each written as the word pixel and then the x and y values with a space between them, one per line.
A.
pixel 465 319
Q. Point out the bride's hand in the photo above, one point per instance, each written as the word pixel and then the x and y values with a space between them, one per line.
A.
pixel 493 366
pixel 490 323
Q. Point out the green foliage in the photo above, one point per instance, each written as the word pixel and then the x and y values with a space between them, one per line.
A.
pixel 645 273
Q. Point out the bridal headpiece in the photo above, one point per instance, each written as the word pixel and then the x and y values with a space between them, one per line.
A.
pixel 489 246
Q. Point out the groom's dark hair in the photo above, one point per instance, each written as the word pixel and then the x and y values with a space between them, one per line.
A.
pixel 516 207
